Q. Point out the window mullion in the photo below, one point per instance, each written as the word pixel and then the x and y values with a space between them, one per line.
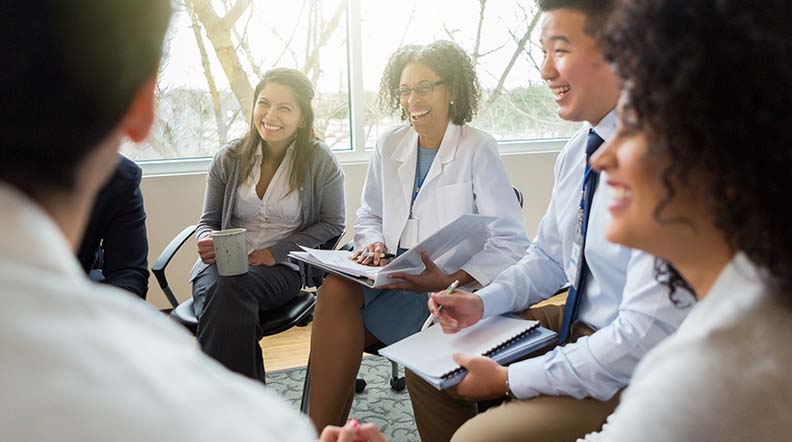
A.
pixel 357 105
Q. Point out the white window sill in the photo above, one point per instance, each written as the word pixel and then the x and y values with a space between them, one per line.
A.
pixel 189 166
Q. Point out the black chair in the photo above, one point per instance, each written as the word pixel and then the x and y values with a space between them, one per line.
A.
pixel 297 312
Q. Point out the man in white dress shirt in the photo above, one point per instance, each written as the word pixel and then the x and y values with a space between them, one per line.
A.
pixel 622 312
pixel 82 361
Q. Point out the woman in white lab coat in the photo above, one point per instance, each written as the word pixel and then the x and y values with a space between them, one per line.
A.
pixel 421 176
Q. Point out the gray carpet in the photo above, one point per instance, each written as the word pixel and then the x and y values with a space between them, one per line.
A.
pixel 378 404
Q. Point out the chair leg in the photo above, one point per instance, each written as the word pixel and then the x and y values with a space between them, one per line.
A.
pixel 305 401
pixel 397 383
pixel 360 385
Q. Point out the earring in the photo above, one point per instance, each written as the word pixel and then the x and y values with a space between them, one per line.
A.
pixel 451 102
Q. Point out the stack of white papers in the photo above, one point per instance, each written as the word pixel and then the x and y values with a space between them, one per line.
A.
pixel 449 248
pixel 428 353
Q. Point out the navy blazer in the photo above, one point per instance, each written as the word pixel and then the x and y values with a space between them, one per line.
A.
pixel 115 240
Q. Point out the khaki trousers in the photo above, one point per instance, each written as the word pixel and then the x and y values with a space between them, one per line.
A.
pixel 442 416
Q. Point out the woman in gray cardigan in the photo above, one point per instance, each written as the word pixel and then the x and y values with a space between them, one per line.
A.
pixel 286 189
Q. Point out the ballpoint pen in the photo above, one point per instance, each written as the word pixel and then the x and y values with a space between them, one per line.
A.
pixel 382 256
pixel 449 291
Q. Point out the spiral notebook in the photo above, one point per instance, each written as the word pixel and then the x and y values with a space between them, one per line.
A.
pixel 428 353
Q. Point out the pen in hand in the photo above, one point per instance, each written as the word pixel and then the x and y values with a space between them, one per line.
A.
pixel 382 255
pixel 449 291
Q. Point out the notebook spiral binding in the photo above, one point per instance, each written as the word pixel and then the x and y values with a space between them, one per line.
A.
pixel 495 349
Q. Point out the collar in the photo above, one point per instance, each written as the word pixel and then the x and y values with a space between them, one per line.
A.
pixel 739 277
pixel 407 150
pixel 259 155
pixel 606 128
pixel 32 238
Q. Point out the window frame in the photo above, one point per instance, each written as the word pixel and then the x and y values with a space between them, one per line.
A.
pixel 358 151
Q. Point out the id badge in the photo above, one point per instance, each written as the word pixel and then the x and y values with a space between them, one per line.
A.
pixel 409 237
pixel 575 256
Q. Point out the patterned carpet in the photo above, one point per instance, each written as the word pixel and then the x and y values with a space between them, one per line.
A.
pixel 378 404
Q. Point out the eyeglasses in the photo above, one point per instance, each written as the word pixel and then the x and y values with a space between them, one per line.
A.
pixel 421 89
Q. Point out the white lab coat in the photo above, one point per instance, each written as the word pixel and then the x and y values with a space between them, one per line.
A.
pixel 466 176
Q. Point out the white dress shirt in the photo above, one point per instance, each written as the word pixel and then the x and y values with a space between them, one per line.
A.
pixel 274 216
pixel 88 362
pixel 629 311
pixel 724 376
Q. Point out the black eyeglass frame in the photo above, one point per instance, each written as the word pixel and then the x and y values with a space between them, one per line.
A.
pixel 427 86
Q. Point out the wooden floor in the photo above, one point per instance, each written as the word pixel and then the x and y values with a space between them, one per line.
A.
pixel 286 350
pixel 290 348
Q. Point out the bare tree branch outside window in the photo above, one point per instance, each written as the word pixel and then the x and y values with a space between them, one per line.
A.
pixel 218 49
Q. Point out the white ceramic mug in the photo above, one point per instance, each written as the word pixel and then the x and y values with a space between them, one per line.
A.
pixel 230 252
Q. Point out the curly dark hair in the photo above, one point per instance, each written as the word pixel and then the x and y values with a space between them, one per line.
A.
pixel 711 85
pixel 450 62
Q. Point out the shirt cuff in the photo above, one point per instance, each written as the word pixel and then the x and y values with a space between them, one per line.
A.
pixel 495 299
pixel 527 379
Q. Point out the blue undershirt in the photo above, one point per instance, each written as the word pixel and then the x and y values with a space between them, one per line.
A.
pixel 425 158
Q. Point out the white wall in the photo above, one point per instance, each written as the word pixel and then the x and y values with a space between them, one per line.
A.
pixel 174 201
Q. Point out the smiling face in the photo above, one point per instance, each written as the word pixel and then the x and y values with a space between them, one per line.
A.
pixel 636 187
pixel 276 115
pixel 427 111
pixel 585 86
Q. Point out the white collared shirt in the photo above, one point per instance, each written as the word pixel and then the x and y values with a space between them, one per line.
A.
pixel 277 214
pixel 724 376
pixel 88 362
pixel 622 302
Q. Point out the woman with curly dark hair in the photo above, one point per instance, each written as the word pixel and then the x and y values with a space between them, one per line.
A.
pixel 698 176
pixel 422 175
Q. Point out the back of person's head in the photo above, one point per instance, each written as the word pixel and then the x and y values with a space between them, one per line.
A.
pixel 450 62
pixel 711 85
pixel 596 11
pixel 71 70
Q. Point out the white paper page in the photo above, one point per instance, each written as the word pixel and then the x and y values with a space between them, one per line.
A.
pixel 431 350
pixel 339 259
pixel 452 246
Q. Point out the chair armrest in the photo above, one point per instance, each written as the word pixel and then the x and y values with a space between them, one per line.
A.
pixel 158 269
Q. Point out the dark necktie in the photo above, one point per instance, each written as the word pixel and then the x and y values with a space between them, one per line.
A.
pixel 575 294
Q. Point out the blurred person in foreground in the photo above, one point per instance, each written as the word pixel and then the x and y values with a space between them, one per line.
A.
pixel 81 363
pixel 698 174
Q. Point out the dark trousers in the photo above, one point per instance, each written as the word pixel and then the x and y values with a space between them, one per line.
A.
pixel 229 312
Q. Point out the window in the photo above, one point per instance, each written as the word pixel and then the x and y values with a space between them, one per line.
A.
pixel 501 37
pixel 217 50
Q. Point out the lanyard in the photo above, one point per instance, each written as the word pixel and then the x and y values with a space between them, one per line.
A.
pixel 418 186
pixel 420 182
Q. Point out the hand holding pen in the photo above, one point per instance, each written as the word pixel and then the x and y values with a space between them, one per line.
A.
pixel 455 311
pixel 448 292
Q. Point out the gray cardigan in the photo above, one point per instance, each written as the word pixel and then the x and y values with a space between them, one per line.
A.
pixel 321 195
